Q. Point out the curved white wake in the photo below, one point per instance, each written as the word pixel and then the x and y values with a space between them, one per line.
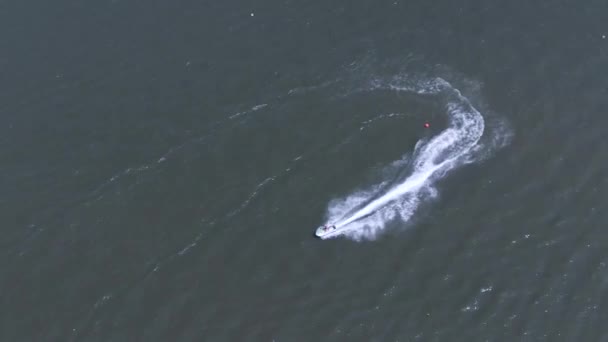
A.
pixel 359 216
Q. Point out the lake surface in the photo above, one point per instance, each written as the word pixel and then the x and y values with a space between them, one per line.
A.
pixel 165 166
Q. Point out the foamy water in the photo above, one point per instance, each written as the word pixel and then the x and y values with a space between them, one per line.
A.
pixel 363 214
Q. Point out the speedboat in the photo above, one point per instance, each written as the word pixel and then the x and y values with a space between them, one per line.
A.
pixel 326 230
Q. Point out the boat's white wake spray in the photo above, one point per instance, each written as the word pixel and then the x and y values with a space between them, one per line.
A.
pixel 363 215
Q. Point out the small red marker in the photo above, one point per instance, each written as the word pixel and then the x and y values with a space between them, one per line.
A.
pixel 427 125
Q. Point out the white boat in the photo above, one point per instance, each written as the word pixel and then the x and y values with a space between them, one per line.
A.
pixel 328 230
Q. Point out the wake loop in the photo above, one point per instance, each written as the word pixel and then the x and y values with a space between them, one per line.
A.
pixel 362 215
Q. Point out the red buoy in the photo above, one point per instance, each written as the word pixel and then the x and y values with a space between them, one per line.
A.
pixel 427 125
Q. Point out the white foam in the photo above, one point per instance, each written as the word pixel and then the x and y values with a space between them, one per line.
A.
pixel 363 215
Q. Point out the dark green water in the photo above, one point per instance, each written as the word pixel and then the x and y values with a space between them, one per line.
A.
pixel 166 164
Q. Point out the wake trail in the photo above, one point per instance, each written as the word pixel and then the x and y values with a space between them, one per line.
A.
pixel 452 147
